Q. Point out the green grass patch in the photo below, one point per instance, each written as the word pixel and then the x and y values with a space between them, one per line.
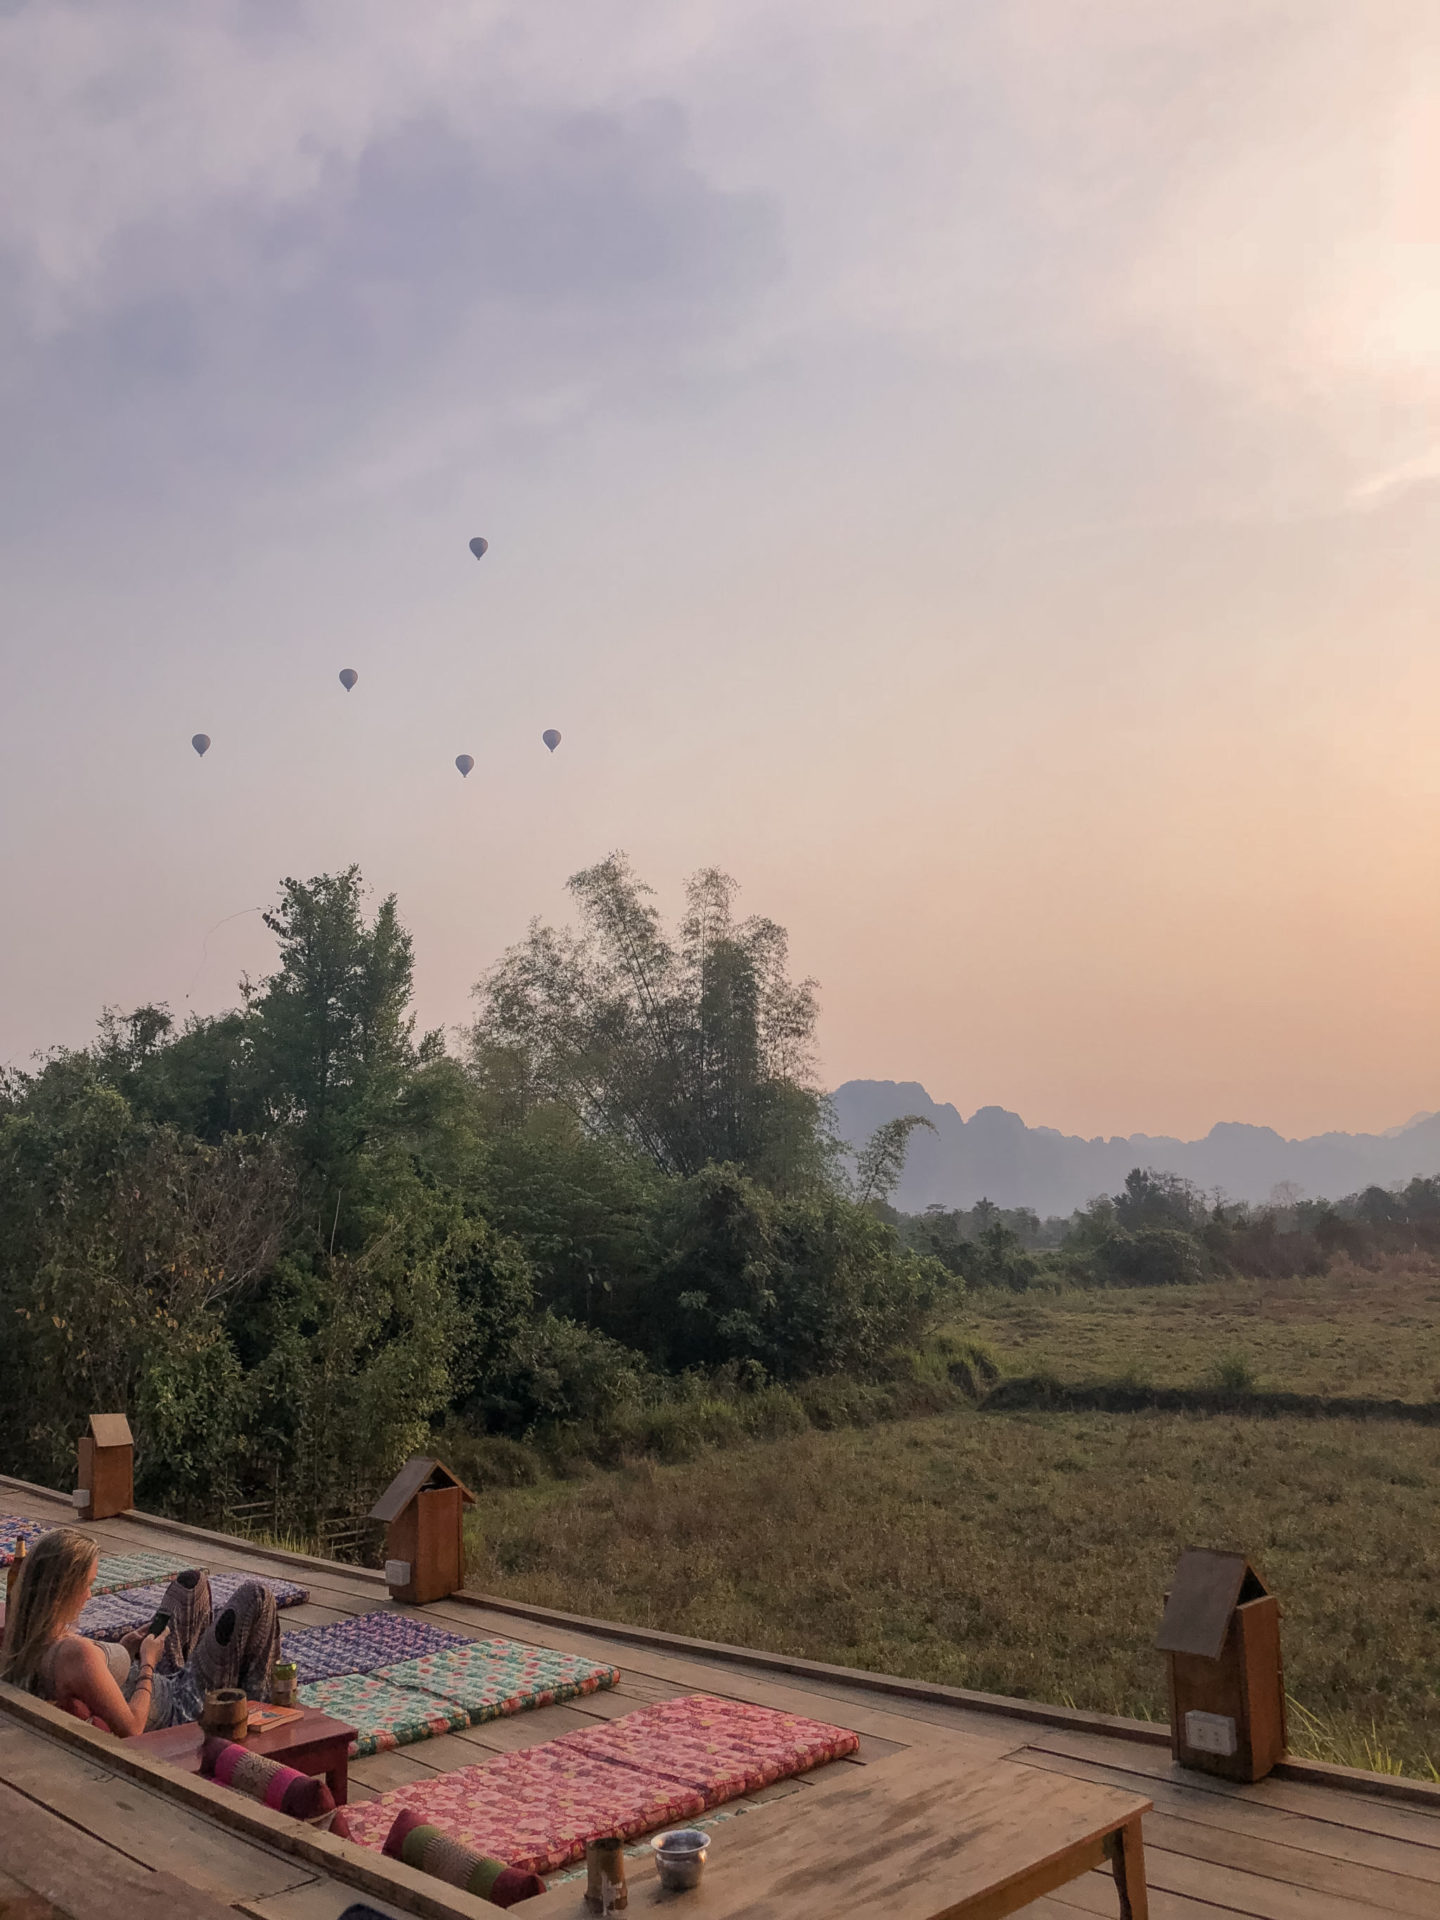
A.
pixel 1351 1332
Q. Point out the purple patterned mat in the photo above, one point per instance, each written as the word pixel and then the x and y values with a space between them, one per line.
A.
pixel 15 1526
pixel 108 1616
pixel 361 1645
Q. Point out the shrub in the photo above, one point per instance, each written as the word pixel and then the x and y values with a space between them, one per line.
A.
pixel 800 1286
pixel 1233 1372
pixel 555 1372
pixel 1151 1257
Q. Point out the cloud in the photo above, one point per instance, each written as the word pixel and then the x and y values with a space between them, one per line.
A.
pixel 342 259
pixel 283 224
pixel 1418 472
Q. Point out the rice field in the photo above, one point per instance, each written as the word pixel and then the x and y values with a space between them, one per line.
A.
pixel 1027 1552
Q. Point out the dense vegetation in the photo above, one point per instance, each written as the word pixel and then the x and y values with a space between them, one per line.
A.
pixel 1163 1231
pixel 295 1238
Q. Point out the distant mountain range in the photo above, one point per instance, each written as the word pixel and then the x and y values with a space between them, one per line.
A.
pixel 994 1155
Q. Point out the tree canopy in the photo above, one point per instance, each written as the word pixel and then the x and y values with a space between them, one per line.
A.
pixel 292 1238
pixel 693 1048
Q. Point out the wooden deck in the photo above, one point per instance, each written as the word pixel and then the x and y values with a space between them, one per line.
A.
pixel 85 1824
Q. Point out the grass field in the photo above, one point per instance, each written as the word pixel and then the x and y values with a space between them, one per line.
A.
pixel 1351 1331
pixel 1027 1552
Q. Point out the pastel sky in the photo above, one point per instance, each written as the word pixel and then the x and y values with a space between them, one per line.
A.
pixel 970 468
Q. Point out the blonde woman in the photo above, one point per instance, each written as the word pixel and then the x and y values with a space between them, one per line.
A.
pixel 148 1680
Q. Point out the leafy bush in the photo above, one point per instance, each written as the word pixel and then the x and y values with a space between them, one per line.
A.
pixel 1151 1257
pixel 555 1372
pixel 1234 1372
pixel 814 1284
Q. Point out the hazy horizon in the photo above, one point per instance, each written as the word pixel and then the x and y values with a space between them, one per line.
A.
pixel 975 477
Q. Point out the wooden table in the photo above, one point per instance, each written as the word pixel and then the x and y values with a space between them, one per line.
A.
pixel 312 1744
pixel 917 1836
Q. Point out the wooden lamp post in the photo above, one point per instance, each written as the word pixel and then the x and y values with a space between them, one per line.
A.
pixel 105 1457
pixel 423 1510
pixel 1221 1641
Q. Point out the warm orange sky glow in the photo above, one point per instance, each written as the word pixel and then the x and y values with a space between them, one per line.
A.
pixel 974 474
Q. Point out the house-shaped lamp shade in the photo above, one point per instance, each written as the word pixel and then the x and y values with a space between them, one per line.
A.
pixel 105 1468
pixel 1221 1641
pixel 423 1510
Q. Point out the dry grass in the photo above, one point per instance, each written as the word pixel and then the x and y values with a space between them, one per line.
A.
pixel 1352 1331
pixel 1021 1553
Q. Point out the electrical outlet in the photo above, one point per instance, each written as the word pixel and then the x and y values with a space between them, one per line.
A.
pixel 1210 1733
pixel 397 1574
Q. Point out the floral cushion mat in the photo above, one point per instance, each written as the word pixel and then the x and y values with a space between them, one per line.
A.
pixel 15 1527
pixel 382 1716
pixel 365 1644
pixel 664 1764
pixel 490 1678
pixel 109 1616
pixel 120 1570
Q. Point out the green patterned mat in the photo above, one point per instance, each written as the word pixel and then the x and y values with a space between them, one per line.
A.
pixel 382 1715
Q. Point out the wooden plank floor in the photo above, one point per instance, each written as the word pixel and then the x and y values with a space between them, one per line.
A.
pixel 1278 1850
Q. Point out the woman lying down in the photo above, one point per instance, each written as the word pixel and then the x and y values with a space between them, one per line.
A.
pixel 145 1680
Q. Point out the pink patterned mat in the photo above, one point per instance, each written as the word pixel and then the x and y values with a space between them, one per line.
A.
pixel 722 1748
pixel 658 1766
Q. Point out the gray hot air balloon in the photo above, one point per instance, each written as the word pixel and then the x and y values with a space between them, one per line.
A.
pixel 201 743
pixel 551 738
pixel 348 677
pixel 464 762
pixel 479 547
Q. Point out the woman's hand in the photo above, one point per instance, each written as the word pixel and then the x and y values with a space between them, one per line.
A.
pixel 151 1648
pixel 132 1641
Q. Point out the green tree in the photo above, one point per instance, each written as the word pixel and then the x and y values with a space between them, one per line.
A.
pixel 694 1050
pixel 201 1079
pixel 123 1247
pixel 334 1055
pixel 881 1160
pixel 584 1207
pixel 799 1284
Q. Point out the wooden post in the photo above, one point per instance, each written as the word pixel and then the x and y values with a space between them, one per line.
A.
pixel 105 1460
pixel 1221 1640
pixel 424 1513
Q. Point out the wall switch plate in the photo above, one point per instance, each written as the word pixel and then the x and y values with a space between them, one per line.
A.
pixel 397 1574
pixel 1210 1733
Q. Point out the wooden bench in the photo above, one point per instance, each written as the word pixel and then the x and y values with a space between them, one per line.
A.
pixel 918 1836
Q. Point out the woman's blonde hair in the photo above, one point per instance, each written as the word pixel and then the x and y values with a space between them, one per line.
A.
pixel 49 1594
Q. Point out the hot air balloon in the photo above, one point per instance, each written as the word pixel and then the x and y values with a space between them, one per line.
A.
pixel 348 677
pixel 201 743
pixel 464 762
pixel 479 547
pixel 551 738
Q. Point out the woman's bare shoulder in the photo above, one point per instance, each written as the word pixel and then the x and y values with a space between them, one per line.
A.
pixel 76 1655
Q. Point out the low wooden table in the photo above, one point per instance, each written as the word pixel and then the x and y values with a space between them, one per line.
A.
pixel 312 1744
pixel 917 1836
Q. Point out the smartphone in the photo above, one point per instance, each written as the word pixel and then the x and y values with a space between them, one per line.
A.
pixel 159 1623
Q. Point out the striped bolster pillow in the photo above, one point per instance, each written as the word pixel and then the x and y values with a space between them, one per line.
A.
pixel 277 1786
pixel 433 1851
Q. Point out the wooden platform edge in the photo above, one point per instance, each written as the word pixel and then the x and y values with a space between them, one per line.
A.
pixel 1319 1773
pixel 1383 1786
pixel 367 1870
pixel 899 1686
pixel 231 1541
pixel 1038 1712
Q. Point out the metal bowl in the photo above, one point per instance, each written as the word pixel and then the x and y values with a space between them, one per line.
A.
pixel 680 1857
